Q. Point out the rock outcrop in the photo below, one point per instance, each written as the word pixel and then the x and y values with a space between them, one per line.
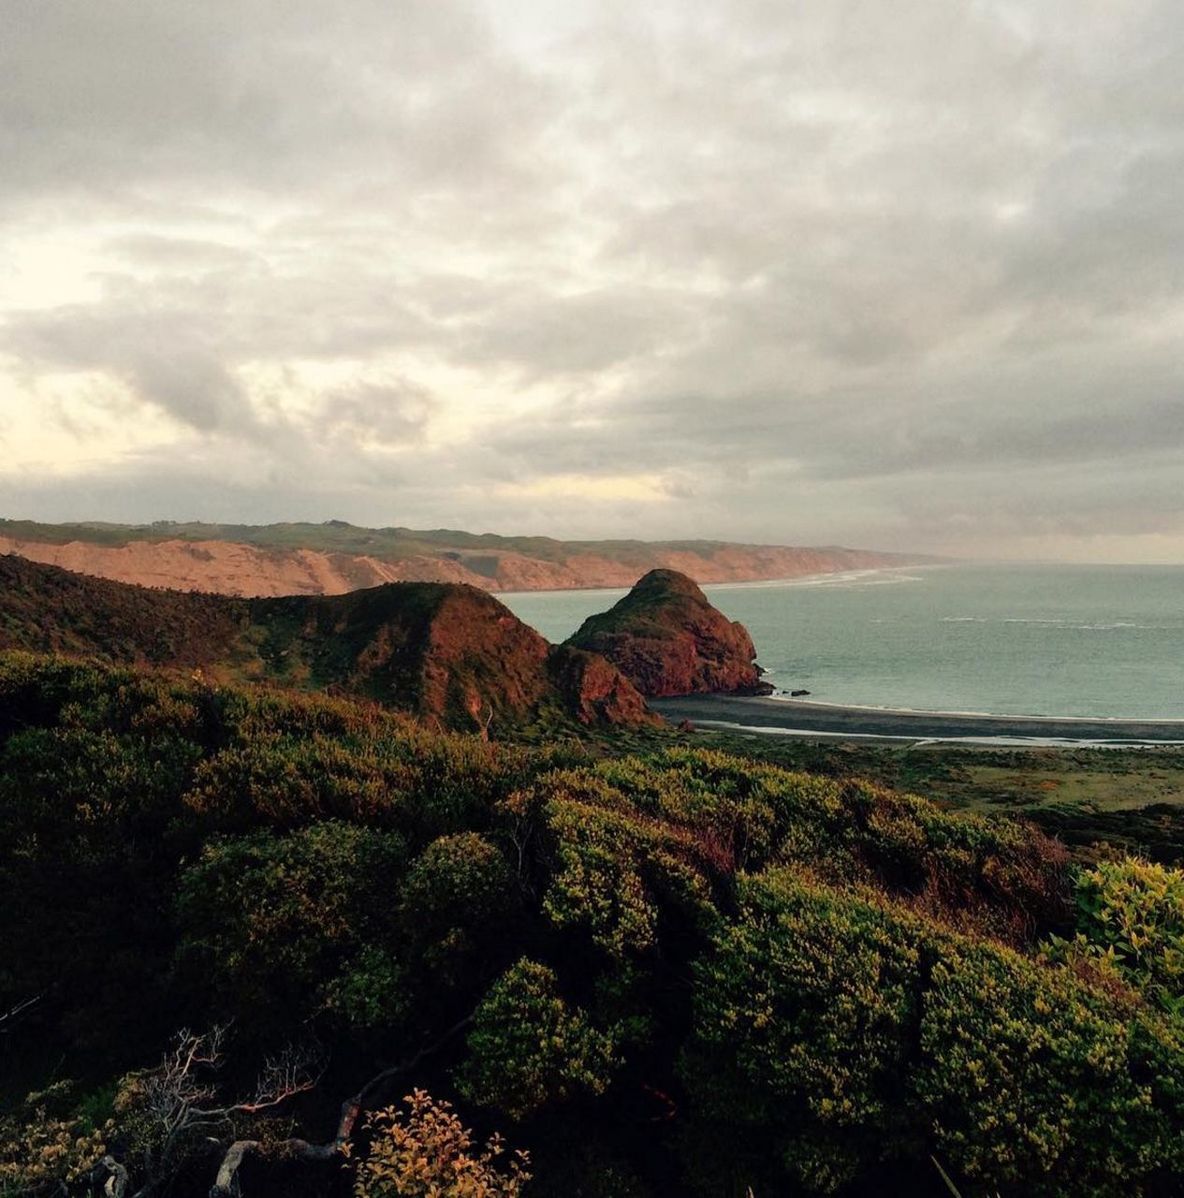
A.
pixel 448 652
pixel 667 639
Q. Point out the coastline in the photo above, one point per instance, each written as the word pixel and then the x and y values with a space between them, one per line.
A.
pixel 806 720
pixel 817 578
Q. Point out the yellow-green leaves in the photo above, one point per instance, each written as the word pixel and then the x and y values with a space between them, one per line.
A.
pixel 529 1047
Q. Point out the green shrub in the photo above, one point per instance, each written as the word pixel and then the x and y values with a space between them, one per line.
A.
pixel 1130 914
pixel 804 1015
pixel 528 1048
pixel 846 1030
pixel 1030 1077
pixel 726 813
pixel 274 921
pixel 458 903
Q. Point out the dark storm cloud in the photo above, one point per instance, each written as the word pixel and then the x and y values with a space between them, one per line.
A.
pixel 839 270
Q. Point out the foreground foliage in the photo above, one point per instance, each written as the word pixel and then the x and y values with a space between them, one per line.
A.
pixel 673 971
pixel 426 1152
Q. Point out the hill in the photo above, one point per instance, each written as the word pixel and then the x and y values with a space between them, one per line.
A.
pixel 446 651
pixel 334 557
pixel 667 639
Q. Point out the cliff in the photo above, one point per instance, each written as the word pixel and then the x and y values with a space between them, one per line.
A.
pixel 438 650
pixel 667 639
pixel 332 558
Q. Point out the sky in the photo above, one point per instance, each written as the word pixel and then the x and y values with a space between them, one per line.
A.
pixel 902 275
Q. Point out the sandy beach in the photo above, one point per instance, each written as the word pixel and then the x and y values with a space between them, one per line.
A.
pixel 792 717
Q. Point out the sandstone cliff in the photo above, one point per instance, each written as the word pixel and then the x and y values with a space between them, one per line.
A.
pixel 443 651
pixel 330 559
pixel 667 639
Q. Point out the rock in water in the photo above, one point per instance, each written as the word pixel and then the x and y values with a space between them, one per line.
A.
pixel 667 639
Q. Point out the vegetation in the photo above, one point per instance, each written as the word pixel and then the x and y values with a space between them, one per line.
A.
pixel 428 1153
pixel 659 969
pixel 1098 802
pixel 448 653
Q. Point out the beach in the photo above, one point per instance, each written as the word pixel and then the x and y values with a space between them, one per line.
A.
pixel 792 717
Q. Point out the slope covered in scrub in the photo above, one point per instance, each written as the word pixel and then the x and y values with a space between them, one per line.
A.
pixel 439 650
pixel 663 973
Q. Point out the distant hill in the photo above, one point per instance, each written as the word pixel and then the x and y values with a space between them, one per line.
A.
pixel 439 650
pixel 335 557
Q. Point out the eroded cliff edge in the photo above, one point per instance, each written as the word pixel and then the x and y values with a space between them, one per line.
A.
pixel 335 557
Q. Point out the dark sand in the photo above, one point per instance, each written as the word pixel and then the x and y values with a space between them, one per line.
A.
pixel 797 718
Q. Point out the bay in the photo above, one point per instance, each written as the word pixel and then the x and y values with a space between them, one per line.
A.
pixel 1096 641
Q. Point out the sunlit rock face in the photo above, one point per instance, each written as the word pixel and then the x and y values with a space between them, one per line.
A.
pixel 445 652
pixel 667 639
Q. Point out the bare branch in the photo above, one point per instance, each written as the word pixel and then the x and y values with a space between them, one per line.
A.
pixel 284 1076
pixel 227 1185
pixel 10 1017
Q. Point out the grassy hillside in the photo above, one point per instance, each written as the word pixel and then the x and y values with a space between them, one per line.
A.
pixel 661 971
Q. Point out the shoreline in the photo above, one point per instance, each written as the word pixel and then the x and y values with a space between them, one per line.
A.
pixel 811 579
pixel 807 720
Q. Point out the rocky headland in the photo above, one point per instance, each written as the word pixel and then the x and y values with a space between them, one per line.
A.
pixel 441 651
pixel 667 639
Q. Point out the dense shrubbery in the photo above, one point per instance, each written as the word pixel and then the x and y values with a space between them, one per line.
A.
pixel 1131 925
pixel 528 1047
pixel 847 1029
pixel 729 974
pixel 271 924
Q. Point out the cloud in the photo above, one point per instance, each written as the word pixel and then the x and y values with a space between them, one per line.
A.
pixel 838 271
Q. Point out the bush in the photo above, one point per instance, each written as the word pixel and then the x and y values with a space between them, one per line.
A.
pixel 458 904
pixel 1130 915
pixel 273 921
pixel 1031 1078
pixel 43 1146
pixel 428 1153
pixel 804 1015
pixel 528 1048
pixel 847 1030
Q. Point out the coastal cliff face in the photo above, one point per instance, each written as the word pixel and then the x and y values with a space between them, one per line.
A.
pixel 331 559
pixel 442 651
pixel 667 639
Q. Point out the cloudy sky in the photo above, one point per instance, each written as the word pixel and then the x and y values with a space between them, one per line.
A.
pixel 902 274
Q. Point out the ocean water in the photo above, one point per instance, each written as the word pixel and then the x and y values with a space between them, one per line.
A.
pixel 1100 641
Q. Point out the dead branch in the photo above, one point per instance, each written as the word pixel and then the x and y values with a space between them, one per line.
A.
pixel 227 1184
pixel 9 1018
pixel 178 1099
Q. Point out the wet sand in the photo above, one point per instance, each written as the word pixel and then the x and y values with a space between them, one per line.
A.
pixel 794 717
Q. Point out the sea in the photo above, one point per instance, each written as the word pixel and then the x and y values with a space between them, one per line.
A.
pixel 1067 640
